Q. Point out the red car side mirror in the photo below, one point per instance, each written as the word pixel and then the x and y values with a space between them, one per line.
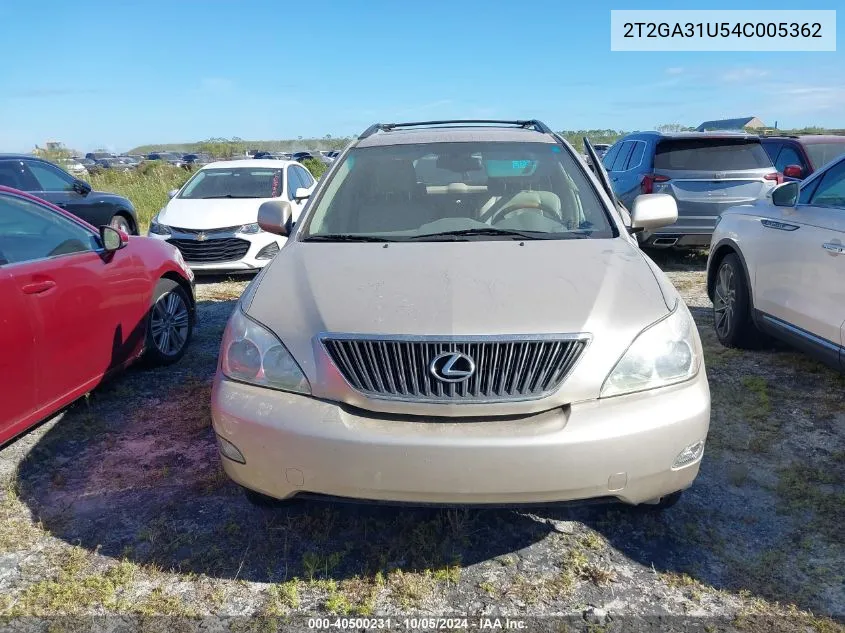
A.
pixel 793 171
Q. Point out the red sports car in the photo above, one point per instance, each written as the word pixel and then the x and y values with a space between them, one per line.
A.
pixel 77 303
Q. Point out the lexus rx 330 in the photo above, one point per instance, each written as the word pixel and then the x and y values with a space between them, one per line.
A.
pixel 461 316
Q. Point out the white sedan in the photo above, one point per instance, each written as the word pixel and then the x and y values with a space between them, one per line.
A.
pixel 213 218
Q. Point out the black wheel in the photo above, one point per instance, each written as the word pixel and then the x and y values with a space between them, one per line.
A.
pixel 169 323
pixel 122 223
pixel 732 306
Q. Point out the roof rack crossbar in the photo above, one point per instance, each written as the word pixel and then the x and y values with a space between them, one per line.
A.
pixel 534 124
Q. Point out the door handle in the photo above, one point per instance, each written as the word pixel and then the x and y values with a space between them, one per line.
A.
pixel 835 249
pixel 37 287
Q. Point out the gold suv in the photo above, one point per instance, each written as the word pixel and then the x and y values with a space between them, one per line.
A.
pixel 462 316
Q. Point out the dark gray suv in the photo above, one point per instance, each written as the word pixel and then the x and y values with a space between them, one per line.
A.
pixel 705 172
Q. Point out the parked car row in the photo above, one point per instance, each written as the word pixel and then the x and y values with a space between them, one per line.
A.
pixel 406 339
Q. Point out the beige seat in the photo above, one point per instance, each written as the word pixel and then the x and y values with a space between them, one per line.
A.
pixel 498 205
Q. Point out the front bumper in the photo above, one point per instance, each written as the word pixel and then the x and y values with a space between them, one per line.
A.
pixel 248 263
pixel 623 447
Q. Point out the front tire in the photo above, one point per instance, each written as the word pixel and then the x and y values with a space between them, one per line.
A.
pixel 121 223
pixel 169 323
pixel 732 306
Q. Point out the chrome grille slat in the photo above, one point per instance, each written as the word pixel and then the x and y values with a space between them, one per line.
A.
pixel 506 368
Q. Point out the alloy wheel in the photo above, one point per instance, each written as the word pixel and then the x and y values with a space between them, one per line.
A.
pixel 169 323
pixel 121 223
pixel 724 301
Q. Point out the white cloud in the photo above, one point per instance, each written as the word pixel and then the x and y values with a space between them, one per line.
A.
pixel 747 73
pixel 674 70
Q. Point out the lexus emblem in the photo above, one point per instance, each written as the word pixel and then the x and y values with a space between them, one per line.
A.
pixel 201 237
pixel 452 367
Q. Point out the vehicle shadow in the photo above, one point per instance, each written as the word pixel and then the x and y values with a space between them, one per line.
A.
pixel 133 473
pixel 678 260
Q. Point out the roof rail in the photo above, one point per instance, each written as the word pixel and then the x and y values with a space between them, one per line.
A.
pixel 534 124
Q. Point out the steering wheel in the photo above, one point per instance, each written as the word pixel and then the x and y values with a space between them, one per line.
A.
pixel 534 206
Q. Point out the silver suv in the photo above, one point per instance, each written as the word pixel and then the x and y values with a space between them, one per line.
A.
pixel 461 315
pixel 706 173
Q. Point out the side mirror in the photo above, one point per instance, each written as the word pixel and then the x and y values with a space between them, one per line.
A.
pixel 172 193
pixel 81 187
pixel 276 216
pixel 112 239
pixel 653 210
pixel 301 193
pixel 793 171
pixel 786 195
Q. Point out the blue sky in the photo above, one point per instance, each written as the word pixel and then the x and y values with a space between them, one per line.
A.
pixel 103 73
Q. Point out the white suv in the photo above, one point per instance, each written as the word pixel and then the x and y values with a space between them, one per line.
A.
pixel 777 267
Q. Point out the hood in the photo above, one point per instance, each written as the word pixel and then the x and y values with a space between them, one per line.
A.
pixel 210 214
pixel 604 288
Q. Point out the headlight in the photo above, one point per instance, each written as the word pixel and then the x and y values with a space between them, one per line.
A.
pixel 250 228
pixel 252 353
pixel 158 229
pixel 663 354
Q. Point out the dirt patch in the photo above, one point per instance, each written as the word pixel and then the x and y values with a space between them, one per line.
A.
pixel 118 505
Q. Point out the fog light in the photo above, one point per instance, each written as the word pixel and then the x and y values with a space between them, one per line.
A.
pixel 689 455
pixel 268 252
pixel 230 450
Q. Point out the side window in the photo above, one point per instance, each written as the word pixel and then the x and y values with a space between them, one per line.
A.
pixel 14 174
pixel 622 156
pixel 772 150
pixel 831 189
pixel 787 156
pixel 29 231
pixel 293 182
pixel 50 178
pixel 305 177
pixel 608 159
pixel 636 157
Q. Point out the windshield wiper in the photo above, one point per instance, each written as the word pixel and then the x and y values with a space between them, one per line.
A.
pixel 511 233
pixel 346 237
pixel 228 195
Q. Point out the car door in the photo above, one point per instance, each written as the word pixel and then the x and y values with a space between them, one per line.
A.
pixel 57 186
pixel 800 276
pixel 628 174
pixel 18 345
pixel 74 294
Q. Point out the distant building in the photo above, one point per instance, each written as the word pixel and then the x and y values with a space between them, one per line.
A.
pixel 743 124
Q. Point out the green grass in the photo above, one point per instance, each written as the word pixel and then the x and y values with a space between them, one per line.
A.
pixel 146 187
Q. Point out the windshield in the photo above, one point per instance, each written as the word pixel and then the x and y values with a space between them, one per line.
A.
pixel 720 154
pixel 239 182
pixel 477 190
pixel 822 153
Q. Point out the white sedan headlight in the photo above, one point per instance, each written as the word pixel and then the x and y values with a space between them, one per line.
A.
pixel 249 229
pixel 663 354
pixel 158 229
pixel 252 353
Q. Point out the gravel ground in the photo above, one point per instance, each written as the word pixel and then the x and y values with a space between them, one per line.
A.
pixel 118 506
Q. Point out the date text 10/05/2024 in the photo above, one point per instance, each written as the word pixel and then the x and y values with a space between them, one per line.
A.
pixel 418 623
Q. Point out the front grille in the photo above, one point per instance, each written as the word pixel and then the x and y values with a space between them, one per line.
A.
pixel 228 249
pixel 522 368
pixel 224 232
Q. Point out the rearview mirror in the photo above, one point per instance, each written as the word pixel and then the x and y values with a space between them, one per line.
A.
pixel 786 195
pixel 172 193
pixel 301 193
pixel 81 187
pixel 653 210
pixel 793 171
pixel 276 216
pixel 111 238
